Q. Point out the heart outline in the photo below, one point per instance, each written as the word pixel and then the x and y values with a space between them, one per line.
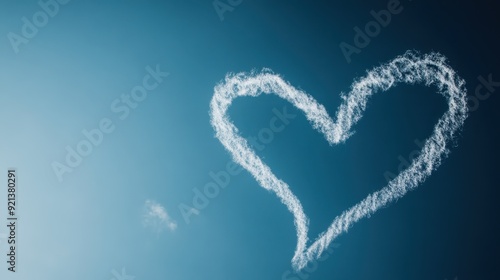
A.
pixel 410 68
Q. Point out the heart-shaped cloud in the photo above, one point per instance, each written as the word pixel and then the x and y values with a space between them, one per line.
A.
pixel 429 69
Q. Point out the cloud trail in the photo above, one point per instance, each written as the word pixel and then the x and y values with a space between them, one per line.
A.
pixel 410 68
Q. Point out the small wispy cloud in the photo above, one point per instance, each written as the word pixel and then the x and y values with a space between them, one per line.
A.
pixel 155 216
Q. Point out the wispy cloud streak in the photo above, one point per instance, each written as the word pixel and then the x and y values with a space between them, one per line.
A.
pixel 410 68
pixel 156 216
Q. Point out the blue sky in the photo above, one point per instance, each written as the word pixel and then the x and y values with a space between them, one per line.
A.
pixel 121 206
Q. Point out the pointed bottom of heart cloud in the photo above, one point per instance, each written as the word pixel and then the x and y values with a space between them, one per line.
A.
pixel 410 68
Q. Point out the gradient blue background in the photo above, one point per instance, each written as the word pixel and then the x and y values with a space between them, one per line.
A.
pixel 91 52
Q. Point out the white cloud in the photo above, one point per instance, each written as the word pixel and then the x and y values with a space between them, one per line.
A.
pixel 156 216
pixel 411 68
